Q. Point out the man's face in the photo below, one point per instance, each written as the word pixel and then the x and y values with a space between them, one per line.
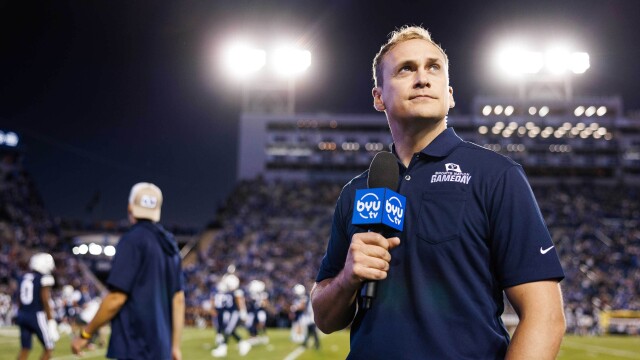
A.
pixel 415 83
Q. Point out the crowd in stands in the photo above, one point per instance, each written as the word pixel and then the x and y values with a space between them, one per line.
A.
pixel 597 235
pixel 26 228
pixel 277 232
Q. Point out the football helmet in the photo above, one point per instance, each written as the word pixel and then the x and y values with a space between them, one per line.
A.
pixel 42 263
pixel 256 286
pixel 231 281
pixel 299 290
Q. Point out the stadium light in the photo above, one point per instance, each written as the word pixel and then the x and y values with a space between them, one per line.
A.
pixel 83 249
pixel 9 138
pixel 274 92
pixel 579 62
pixel 95 249
pixel 556 60
pixel 243 60
pixel 109 250
pixel 602 110
pixel 508 110
pixel 516 60
pixel 543 111
pixel 289 61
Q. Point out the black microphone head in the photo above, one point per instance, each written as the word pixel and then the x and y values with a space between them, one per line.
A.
pixel 383 171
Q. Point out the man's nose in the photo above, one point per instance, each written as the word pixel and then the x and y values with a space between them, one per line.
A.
pixel 422 79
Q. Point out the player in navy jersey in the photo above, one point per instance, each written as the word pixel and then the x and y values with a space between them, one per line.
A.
pixel 231 308
pixel 472 230
pixel 257 304
pixel 35 315
pixel 146 300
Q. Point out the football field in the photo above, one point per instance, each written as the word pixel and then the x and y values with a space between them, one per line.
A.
pixel 197 344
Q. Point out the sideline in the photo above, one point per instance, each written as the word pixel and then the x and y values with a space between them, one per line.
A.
pixel 295 353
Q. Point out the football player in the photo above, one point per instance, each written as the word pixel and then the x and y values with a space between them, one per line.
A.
pixel 35 315
pixel 230 305
pixel 298 328
pixel 257 313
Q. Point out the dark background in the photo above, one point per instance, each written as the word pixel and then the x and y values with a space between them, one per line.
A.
pixel 108 93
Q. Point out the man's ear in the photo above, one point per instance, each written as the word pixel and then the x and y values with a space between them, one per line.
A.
pixel 452 102
pixel 378 104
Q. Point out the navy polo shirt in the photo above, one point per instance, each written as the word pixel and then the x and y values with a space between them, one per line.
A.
pixel 472 228
pixel 147 267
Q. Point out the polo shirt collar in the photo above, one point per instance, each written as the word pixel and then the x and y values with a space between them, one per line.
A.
pixel 441 146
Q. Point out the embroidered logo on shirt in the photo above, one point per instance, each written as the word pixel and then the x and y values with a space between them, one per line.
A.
pixel 452 173
pixel 544 251
pixel 452 167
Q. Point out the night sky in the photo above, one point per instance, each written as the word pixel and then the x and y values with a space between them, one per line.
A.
pixel 108 93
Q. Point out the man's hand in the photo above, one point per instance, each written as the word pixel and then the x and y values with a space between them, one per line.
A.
pixel 368 257
pixel 77 344
pixel 176 354
pixel 333 299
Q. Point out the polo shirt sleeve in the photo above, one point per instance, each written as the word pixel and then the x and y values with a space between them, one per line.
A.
pixel 339 241
pixel 521 246
pixel 125 264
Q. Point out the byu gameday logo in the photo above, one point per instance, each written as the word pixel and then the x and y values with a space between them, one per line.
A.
pixel 453 173
pixel 452 167
pixel 379 206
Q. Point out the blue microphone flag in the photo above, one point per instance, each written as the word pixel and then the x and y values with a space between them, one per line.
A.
pixel 379 206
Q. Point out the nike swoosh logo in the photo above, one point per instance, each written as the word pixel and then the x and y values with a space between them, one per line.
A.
pixel 544 251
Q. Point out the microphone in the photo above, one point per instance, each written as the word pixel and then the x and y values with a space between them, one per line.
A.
pixel 379 208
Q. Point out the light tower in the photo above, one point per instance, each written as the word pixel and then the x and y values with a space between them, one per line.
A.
pixel 267 92
pixel 543 75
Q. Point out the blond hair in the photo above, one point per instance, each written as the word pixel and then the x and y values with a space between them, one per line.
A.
pixel 405 33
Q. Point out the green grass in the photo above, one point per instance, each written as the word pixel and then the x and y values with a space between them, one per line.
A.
pixel 197 344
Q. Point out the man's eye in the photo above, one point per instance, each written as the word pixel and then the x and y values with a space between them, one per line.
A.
pixel 405 68
pixel 434 67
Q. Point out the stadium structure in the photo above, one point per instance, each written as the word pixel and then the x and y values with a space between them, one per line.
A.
pixel 584 138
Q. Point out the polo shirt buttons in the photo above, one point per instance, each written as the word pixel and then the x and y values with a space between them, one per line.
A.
pixel 407 177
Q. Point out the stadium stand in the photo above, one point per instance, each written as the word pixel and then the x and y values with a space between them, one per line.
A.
pixel 276 231
pixel 594 227
pixel 25 228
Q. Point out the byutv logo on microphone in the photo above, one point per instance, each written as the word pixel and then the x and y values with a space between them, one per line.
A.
pixel 379 206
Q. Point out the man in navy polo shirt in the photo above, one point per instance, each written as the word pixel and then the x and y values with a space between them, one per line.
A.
pixel 146 301
pixel 472 231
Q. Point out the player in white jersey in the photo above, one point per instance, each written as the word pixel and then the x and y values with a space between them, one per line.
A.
pixel 300 301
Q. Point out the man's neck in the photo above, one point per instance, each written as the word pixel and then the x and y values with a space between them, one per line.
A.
pixel 410 137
